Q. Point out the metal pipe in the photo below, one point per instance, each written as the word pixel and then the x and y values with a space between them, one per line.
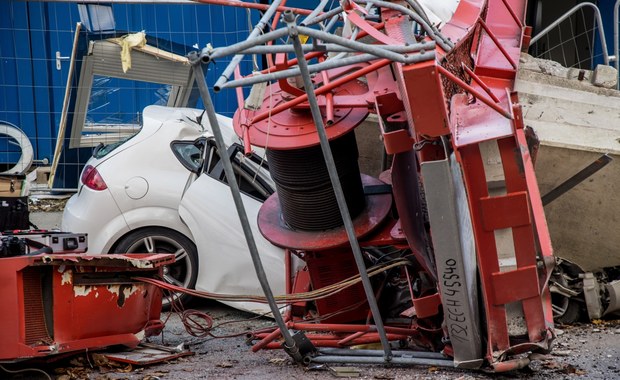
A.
pixel 342 328
pixel 258 28
pixel 334 12
pixel 289 18
pixel 326 343
pixel 292 62
pixel 513 14
pixel 597 14
pixel 322 90
pixel 268 338
pixel 319 8
pixel 477 94
pixel 376 50
pixel 274 26
pixel 576 179
pixel 331 23
pixel 378 360
pixel 443 42
pixel 239 90
pixel 248 47
pixel 335 48
pixel 481 83
pixel 351 337
pixel 420 11
pixel 351 352
pixel 497 43
pixel 231 3
pixel 314 336
pixel 199 76
pixel 207 56
pixel 329 97
pixel 327 65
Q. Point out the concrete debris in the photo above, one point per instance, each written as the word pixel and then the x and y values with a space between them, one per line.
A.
pixel 576 122
pixel 605 76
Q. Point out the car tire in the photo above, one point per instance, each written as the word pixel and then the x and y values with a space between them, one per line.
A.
pixel 183 272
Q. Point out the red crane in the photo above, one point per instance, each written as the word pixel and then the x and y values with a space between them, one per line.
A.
pixel 444 258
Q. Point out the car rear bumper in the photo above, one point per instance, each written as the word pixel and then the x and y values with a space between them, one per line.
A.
pixel 94 213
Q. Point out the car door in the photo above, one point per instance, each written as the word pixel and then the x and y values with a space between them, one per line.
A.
pixel 207 207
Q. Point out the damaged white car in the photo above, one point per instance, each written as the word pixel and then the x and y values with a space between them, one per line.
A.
pixel 155 193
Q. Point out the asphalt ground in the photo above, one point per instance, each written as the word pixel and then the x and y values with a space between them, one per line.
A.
pixel 582 351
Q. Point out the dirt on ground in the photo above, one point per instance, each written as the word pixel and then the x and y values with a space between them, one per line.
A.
pixel 584 351
pixel 46 204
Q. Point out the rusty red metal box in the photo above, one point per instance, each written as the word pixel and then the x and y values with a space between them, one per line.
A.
pixel 61 303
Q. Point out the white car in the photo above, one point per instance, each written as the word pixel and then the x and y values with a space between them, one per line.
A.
pixel 155 193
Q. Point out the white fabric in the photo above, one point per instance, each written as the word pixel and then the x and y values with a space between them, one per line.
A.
pixel 439 11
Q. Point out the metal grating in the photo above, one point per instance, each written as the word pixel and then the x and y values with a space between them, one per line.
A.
pixel 34 312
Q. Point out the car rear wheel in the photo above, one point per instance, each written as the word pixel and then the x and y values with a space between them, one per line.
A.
pixel 160 240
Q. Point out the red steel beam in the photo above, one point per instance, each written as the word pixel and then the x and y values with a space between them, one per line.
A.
pixel 261 7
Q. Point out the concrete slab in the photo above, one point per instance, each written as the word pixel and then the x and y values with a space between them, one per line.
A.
pixel 605 76
pixel 576 122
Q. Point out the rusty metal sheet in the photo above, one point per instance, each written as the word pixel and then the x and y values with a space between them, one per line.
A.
pixel 147 354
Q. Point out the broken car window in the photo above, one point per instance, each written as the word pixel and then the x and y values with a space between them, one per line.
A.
pixel 252 172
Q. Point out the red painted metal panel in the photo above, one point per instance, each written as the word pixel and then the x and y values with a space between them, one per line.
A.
pixel 428 306
pixel 63 303
pixel 515 285
pixel 476 122
pixel 426 99
pixel 475 182
pixel 511 210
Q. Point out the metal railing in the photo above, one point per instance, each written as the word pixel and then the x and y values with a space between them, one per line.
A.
pixel 599 27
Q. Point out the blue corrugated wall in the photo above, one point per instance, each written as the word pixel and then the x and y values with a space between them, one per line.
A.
pixel 31 87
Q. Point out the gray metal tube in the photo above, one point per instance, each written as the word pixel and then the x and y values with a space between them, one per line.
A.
pixel 257 29
pixel 597 14
pixel 331 24
pixel 379 360
pixel 400 353
pixel 319 8
pixel 327 65
pixel 376 50
pixel 291 347
pixel 289 18
pixel 419 10
pixel 325 16
pixel 224 51
pixel 432 32
pixel 336 48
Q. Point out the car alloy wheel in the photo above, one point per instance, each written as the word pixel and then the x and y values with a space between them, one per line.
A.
pixel 161 240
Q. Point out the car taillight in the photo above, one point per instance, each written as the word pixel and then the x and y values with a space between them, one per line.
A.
pixel 92 179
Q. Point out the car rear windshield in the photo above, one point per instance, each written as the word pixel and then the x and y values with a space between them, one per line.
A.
pixel 103 150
